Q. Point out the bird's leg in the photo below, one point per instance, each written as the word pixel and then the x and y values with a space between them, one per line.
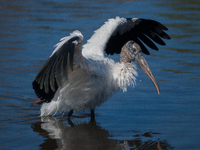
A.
pixel 70 113
pixel 70 122
pixel 92 114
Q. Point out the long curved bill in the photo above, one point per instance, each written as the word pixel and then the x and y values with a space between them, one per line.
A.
pixel 140 60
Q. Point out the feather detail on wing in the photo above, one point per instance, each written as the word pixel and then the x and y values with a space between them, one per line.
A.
pixel 54 72
pixel 110 37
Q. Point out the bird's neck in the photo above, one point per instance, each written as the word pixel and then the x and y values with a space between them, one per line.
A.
pixel 125 60
pixel 125 55
pixel 124 75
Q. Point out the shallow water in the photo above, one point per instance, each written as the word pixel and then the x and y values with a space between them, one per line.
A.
pixel 137 119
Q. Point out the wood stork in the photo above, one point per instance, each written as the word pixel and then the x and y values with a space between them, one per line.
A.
pixel 76 78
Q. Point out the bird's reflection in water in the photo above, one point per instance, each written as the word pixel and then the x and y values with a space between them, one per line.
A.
pixel 85 136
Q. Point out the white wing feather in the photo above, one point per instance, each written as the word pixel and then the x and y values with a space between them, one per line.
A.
pixel 65 39
pixel 95 46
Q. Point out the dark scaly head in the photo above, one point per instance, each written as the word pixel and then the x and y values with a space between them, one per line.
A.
pixel 131 51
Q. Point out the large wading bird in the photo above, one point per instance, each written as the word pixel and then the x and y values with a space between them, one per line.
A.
pixel 77 77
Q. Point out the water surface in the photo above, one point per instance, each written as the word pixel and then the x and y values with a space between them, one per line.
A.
pixel 137 119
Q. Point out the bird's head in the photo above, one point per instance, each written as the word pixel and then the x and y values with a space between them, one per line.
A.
pixel 131 51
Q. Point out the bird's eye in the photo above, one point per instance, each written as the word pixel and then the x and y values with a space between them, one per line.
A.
pixel 133 50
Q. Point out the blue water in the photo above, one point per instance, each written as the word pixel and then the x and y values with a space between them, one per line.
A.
pixel 139 118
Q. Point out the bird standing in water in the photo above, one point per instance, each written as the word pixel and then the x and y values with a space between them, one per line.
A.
pixel 77 77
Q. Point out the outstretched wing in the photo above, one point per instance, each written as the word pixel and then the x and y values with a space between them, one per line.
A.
pixel 54 72
pixel 110 38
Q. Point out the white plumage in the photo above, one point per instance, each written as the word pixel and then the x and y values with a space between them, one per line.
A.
pixel 77 79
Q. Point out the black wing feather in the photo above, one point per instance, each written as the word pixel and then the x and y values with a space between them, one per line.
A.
pixel 51 75
pixel 146 40
pixel 153 36
pixel 145 31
